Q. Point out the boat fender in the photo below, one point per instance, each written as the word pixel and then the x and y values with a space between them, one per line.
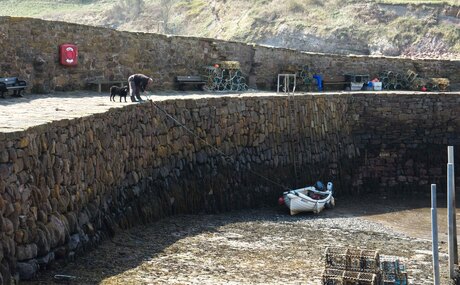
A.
pixel 330 204
pixel 319 186
pixel 281 201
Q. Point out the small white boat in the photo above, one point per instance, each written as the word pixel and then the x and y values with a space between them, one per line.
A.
pixel 308 199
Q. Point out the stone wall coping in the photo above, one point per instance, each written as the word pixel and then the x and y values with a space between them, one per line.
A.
pixel 19 114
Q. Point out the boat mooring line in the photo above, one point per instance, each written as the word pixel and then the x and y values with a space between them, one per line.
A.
pixel 226 157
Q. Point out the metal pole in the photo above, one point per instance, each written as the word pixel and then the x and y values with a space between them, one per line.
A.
pixel 450 220
pixel 450 159
pixel 434 235
pixel 278 86
pixel 286 84
pixel 295 83
pixel 450 154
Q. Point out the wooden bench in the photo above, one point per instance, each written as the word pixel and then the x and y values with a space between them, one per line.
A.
pixel 99 83
pixel 191 80
pixel 334 82
pixel 335 85
pixel 12 83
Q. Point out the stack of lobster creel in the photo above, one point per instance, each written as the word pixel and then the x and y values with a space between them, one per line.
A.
pixel 412 81
pixel 224 76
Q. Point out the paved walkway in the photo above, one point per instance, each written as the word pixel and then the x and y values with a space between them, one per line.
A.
pixel 18 114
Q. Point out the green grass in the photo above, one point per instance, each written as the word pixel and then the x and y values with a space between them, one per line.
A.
pixel 35 8
pixel 193 7
pixel 450 34
pixel 449 2
pixel 295 6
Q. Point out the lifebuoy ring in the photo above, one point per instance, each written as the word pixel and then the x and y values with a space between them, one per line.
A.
pixel 68 54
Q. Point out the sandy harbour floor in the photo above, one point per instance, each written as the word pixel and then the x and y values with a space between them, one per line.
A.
pixel 261 246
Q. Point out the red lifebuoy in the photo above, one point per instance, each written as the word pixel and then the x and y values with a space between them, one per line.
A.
pixel 68 54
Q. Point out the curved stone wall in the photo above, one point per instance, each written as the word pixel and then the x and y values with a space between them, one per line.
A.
pixel 403 140
pixel 30 51
pixel 66 185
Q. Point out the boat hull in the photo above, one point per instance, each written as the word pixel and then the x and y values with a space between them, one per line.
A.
pixel 298 201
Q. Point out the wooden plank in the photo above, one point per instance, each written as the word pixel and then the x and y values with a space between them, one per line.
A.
pixel 335 83
pixel 99 83
pixel 189 79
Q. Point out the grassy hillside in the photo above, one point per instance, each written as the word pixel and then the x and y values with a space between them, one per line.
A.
pixel 449 2
pixel 423 28
pixel 39 8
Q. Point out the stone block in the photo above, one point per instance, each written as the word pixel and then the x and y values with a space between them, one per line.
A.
pixel 25 252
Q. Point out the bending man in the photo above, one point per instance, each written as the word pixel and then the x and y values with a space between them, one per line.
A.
pixel 138 83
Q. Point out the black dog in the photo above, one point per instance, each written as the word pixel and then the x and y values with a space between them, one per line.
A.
pixel 120 91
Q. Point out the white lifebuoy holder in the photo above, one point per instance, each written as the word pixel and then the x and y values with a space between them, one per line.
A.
pixel 68 54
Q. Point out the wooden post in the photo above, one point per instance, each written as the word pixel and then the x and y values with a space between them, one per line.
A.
pixel 434 235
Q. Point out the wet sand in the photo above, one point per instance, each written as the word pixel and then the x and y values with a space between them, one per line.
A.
pixel 402 213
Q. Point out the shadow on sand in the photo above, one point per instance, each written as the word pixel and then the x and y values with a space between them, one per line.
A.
pixel 131 248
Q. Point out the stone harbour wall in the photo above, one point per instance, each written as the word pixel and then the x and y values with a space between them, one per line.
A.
pixel 403 139
pixel 30 51
pixel 66 185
